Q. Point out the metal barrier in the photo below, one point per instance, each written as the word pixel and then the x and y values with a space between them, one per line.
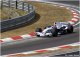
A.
pixel 10 23
pixel 17 4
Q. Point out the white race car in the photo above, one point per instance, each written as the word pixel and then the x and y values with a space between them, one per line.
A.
pixel 58 28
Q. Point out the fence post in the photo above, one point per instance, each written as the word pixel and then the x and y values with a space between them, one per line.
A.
pixel 28 8
pixel 32 7
pixel 16 4
pixel 1 4
pixel 9 3
pixel 23 5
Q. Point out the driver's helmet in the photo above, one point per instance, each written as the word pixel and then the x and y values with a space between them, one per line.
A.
pixel 54 23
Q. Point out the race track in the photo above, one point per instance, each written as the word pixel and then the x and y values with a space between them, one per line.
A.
pixel 44 43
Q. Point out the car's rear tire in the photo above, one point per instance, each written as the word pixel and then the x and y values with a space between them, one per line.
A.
pixel 54 32
pixel 38 30
pixel 70 29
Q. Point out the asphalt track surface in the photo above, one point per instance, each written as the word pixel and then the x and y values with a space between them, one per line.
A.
pixel 73 2
pixel 44 43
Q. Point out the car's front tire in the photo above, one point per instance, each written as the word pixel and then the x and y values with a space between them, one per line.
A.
pixel 70 29
pixel 54 32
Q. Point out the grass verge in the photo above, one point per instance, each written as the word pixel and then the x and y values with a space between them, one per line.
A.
pixel 8 13
pixel 46 14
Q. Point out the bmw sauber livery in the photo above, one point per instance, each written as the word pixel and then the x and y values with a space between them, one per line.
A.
pixel 55 30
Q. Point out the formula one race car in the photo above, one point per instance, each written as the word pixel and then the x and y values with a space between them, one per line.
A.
pixel 55 30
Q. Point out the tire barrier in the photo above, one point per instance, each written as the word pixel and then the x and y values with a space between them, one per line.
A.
pixel 18 21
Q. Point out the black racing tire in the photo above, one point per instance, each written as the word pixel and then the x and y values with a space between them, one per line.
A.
pixel 38 35
pixel 38 30
pixel 70 29
pixel 54 32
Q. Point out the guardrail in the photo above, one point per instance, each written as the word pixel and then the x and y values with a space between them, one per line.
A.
pixel 10 23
